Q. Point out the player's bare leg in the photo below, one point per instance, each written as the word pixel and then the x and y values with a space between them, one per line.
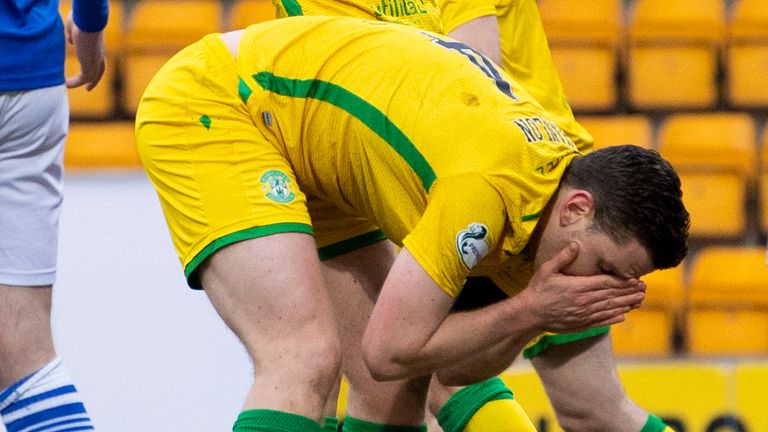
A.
pixel 354 280
pixel 35 387
pixel 271 293
pixel 26 343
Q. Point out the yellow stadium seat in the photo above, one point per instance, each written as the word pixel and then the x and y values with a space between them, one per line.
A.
pixel 746 63
pixel 584 36
pixel 763 185
pixel 620 129
pixel 247 12
pixel 112 32
pixel 172 24
pixel 101 145
pixel 138 70
pixel 728 302
pixel 673 53
pixel 100 102
pixel 157 29
pixel 649 331
pixel 715 155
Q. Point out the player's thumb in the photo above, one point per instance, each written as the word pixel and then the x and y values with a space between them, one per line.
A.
pixel 564 258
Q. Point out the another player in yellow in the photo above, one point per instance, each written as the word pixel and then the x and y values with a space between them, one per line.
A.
pixel 424 14
pixel 300 133
pixel 510 33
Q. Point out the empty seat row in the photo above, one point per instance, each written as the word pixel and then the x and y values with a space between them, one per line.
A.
pixel 109 145
pixel 719 307
pixel 140 40
pixel 660 54
pixel 657 55
pixel 720 160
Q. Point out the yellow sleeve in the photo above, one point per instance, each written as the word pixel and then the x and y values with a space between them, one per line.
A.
pixel 463 223
pixel 457 12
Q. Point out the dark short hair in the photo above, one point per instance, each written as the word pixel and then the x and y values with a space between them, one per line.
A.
pixel 636 195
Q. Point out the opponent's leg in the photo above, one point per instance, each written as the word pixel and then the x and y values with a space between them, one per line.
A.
pixel 26 343
pixel 354 280
pixel 35 391
pixel 270 291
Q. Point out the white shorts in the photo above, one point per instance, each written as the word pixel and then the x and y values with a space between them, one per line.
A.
pixel 33 129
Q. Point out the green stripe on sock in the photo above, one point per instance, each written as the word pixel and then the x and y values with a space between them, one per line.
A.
pixel 462 406
pixel 331 424
pixel 356 425
pixel 653 424
pixel 263 420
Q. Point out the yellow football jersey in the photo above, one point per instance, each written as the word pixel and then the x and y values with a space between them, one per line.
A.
pixel 424 14
pixel 525 54
pixel 402 129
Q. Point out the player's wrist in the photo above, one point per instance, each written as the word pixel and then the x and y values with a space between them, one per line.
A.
pixel 520 316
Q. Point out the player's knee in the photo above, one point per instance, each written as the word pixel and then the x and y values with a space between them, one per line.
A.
pixel 322 361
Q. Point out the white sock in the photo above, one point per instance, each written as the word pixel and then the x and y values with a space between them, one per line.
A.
pixel 45 401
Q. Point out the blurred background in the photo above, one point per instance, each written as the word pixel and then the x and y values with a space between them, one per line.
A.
pixel 688 78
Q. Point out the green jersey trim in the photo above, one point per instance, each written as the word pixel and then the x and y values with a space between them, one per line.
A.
pixel 244 90
pixel 547 341
pixel 292 7
pixel 653 424
pixel 357 107
pixel 531 217
pixel 193 280
pixel 354 243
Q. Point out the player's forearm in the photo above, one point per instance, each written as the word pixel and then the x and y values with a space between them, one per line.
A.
pixel 460 336
pixel 481 34
pixel 482 365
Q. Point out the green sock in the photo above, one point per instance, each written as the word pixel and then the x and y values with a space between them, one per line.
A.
pixel 331 424
pixel 263 420
pixel 456 413
pixel 357 425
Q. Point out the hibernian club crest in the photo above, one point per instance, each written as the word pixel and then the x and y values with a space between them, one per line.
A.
pixel 471 244
pixel 277 186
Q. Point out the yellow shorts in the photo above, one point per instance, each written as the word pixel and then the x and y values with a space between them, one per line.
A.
pixel 220 179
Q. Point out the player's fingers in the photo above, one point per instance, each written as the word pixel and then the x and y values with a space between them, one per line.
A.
pixel 75 81
pixel 560 261
pixel 619 300
pixel 606 285
pixel 68 28
pixel 608 317
pixel 95 80
pixel 618 316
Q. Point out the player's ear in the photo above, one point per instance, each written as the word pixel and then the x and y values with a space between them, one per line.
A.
pixel 578 204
